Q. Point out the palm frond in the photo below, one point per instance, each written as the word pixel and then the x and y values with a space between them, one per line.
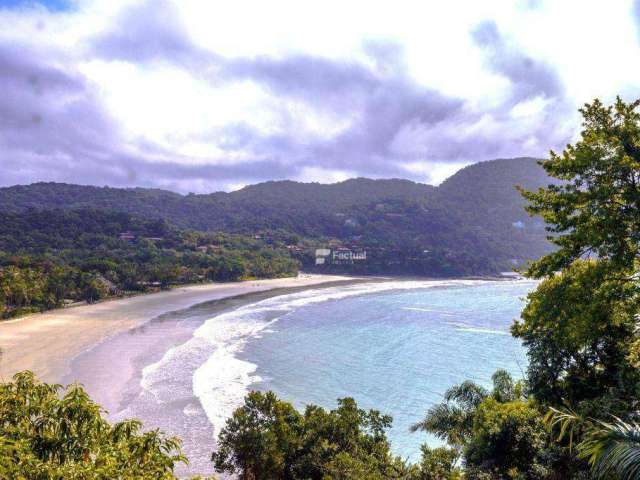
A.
pixel 445 421
pixel 468 394
pixel 570 424
pixel 613 448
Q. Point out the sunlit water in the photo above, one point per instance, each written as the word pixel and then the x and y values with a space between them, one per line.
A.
pixel 394 346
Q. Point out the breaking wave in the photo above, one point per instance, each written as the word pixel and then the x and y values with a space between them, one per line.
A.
pixel 219 379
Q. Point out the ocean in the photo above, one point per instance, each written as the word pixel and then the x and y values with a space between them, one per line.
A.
pixel 395 346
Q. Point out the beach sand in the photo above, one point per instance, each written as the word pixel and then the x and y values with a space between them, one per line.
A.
pixel 47 343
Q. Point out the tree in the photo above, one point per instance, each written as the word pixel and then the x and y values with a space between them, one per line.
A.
pixel 578 328
pixel 267 439
pixel 50 433
pixel 439 464
pixel 508 440
pixel 498 433
pixel 258 440
pixel 580 325
pixel 452 420
pixel 595 210
pixel 92 288
pixel 612 448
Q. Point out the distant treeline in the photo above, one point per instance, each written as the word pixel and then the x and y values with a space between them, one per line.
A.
pixel 51 257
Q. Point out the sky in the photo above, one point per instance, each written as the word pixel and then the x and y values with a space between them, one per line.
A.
pixel 200 96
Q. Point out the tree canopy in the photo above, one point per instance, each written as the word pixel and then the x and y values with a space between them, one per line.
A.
pixel 47 432
pixel 267 439
pixel 49 257
pixel 594 211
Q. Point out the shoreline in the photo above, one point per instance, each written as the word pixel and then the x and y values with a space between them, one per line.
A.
pixel 47 343
pixel 174 359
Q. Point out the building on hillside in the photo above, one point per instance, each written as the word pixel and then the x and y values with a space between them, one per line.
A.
pixel 127 236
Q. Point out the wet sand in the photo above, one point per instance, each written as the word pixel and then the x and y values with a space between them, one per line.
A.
pixel 47 343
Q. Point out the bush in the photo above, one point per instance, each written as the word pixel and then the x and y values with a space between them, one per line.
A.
pixel 47 432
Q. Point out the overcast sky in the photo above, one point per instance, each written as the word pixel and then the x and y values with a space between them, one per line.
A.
pixel 212 95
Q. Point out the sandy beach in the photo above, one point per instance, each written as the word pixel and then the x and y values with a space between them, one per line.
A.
pixel 47 343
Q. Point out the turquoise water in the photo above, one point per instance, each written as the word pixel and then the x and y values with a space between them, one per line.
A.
pixel 396 351
pixel 395 346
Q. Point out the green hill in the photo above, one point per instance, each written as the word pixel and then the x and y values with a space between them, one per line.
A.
pixel 477 212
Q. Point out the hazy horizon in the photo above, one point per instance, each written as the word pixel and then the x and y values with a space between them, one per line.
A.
pixel 240 187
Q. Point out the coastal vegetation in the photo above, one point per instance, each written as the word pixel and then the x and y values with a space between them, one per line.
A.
pixel 573 416
pixel 61 244
pixel 50 258
pixel 472 224
pixel 49 433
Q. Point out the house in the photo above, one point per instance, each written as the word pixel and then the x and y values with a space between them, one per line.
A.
pixel 127 236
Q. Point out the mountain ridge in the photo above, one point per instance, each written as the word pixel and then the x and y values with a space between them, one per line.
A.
pixel 262 186
pixel 476 212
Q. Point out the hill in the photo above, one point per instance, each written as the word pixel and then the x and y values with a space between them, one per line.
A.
pixel 476 212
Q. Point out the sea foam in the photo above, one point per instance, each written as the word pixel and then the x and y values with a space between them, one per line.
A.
pixel 220 380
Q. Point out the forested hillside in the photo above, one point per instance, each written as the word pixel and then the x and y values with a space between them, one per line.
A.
pixel 474 219
pixel 51 257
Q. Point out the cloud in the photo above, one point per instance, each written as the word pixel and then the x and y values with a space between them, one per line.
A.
pixel 138 97
pixel 528 77
pixel 530 4
pixel 635 11
pixel 145 32
pixel 53 127
pixel 379 101
pixel 49 116
pixel 536 108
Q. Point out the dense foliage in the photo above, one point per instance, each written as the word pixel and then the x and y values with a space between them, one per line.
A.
pixel 578 328
pixel 498 433
pixel 582 324
pixel 47 433
pixel 49 257
pixel 267 439
pixel 473 223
